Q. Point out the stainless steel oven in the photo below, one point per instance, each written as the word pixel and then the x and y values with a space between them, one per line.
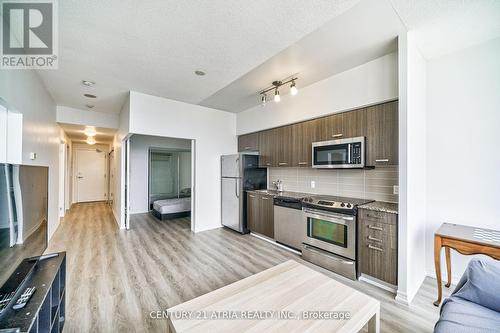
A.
pixel 339 154
pixel 332 232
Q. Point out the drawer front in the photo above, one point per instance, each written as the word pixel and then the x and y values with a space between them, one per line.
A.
pixel 378 217
pixel 330 261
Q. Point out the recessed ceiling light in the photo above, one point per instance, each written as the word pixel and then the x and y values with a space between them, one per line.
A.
pixel 90 141
pixel 88 83
pixel 90 95
pixel 90 131
pixel 199 73
pixel 89 106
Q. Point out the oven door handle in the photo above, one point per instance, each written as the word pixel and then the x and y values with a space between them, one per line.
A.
pixel 324 253
pixel 314 213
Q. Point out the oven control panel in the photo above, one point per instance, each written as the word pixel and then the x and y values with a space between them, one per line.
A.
pixel 328 203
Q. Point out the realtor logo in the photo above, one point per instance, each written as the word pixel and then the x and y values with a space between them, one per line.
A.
pixel 29 34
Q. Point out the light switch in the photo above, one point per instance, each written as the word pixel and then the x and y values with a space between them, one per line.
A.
pixel 395 189
pixel 313 184
pixel 32 156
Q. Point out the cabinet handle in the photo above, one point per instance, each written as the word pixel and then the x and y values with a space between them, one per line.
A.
pixel 248 148
pixel 375 248
pixel 337 135
pixel 374 239
pixel 302 163
pixel 282 163
pixel 251 196
pixel 373 216
pixel 383 160
pixel 264 198
pixel 268 163
pixel 375 228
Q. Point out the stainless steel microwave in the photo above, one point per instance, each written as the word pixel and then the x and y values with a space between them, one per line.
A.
pixel 339 154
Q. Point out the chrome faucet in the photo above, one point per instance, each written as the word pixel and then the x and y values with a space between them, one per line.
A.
pixel 279 185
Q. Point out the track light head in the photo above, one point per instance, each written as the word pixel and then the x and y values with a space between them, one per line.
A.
pixel 293 89
pixel 264 99
pixel 277 97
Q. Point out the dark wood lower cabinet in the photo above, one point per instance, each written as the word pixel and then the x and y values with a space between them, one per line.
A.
pixel 260 214
pixel 377 246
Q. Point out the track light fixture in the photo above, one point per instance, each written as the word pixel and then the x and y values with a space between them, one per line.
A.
pixel 276 85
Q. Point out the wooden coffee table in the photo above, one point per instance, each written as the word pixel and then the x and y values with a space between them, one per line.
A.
pixel 465 240
pixel 286 298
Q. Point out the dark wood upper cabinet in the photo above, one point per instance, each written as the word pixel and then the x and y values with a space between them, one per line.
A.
pixel 290 146
pixel 267 148
pixel 248 142
pixel 382 144
pixel 354 123
pixel 284 151
pixel 303 135
pixel 330 128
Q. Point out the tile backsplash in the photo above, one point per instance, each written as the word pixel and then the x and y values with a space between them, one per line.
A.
pixel 376 184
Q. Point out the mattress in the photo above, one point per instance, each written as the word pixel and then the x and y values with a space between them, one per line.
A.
pixel 169 206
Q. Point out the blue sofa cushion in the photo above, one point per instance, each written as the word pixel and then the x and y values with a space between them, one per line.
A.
pixel 480 284
pixel 461 316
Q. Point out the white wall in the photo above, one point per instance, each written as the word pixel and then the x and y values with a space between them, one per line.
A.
pixel 70 115
pixel 412 209
pixel 370 83
pixel 25 92
pixel 214 134
pixel 139 166
pixel 118 167
pixel 463 166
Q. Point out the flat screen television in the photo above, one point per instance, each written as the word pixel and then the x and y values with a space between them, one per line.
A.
pixel 23 221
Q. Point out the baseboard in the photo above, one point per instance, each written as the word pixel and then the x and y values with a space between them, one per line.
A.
pixel 377 283
pixel 205 229
pixel 117 220
pixel 402 298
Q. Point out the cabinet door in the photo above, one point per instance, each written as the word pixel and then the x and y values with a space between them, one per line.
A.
pixel 354 123
pixel 382 134
pixel 248 142
pixel 284 148
pixel 266 214
pixel 330 128
pixel 266 148
pixel 303 135
pixel 252 211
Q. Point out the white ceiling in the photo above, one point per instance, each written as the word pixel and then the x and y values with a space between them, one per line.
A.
pixel 351 39
pixel 155 46
pixel 444 26
pixel 76 133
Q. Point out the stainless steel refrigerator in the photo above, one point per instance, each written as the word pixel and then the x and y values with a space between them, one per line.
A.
pixel 240 172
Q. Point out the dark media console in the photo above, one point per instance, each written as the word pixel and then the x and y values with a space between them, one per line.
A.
pixel 45 310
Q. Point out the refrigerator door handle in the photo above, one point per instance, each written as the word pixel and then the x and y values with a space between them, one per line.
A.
pixel 236 188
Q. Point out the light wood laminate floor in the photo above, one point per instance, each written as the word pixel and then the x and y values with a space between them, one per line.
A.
pixel 116 278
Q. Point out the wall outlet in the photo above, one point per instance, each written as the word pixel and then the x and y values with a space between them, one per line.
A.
pixel 313 184
pixel 32 156
pixel 395 189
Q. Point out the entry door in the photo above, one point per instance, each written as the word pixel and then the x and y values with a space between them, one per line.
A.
pixel 90 175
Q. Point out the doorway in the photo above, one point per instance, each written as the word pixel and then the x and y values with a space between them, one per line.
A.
pixel 90 175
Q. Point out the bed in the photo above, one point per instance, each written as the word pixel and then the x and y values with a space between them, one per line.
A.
pixel 166 209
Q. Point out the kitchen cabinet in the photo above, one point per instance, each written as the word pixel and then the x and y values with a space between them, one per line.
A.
pixel 284 151
pixel 382 144
pixel 377 245
pixel 260 214
pixel 303 135
pixel 248 142
pixel 354 123
pixel 330 128
pixel 267 142
pixel 290 146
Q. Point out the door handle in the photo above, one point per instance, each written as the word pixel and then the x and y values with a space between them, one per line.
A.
pixel 79 177
pixel 236 189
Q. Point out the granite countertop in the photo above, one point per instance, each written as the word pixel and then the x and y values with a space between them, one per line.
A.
pixel 381 206
pixel 283 194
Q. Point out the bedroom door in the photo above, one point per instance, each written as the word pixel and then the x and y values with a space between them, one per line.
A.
pixel 90 175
